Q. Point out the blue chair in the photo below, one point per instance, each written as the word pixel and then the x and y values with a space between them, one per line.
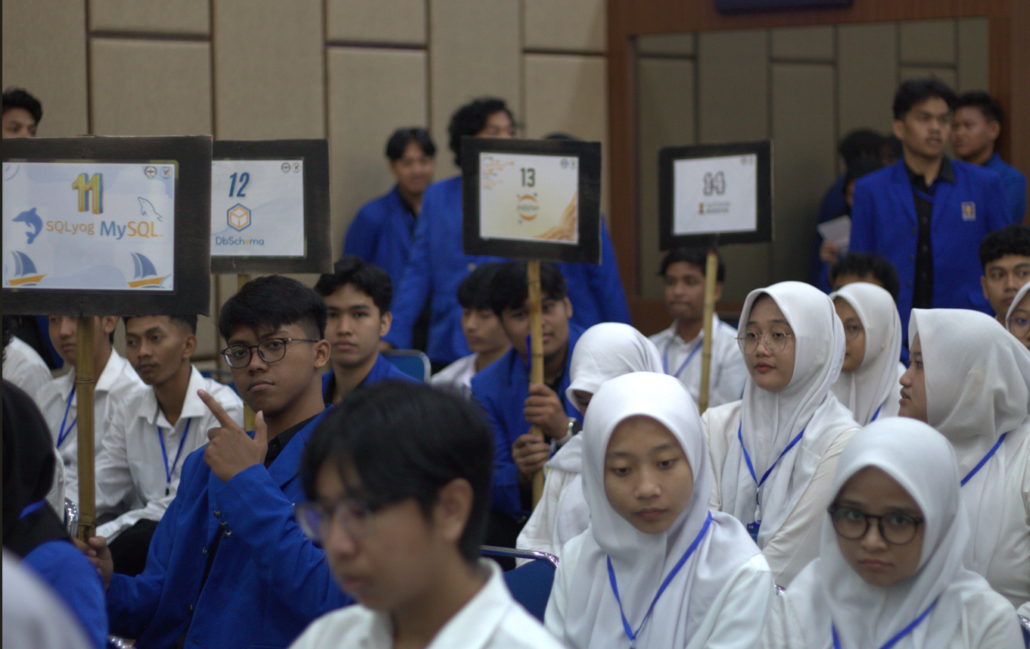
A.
pixel 531 583
pixel 410 361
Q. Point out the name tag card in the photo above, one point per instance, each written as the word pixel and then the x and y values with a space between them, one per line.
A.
pixel 709 190
pixel 106 225
pixel 270 207
pixel 532 199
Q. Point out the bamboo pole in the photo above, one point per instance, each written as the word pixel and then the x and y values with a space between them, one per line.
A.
pixel 248 413
pixel 85 382
pixel 711 273
pixel 536 344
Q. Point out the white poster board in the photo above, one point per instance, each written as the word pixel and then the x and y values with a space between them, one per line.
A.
pixel 257 208
pixel 529 197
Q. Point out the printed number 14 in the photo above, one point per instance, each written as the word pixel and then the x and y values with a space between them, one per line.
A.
pixel 91 188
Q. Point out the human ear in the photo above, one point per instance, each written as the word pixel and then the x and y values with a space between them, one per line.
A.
pixel 385 322
pixel 452 509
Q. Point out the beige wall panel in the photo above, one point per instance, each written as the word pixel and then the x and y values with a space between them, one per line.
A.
pixel 207 327
pixel 973 49
pixel 476 51
pixel 667 45
pixel 150 87
pixel 44 52
pixel 927 42
pixel 371 93
pixel 947 75
pixel 377 21
pixel 867 76
pixel 665 96
pixel 803 43
pixel 156 16
pixel 804 157
pixel 269 69
pixel 733 82
pixel 566 25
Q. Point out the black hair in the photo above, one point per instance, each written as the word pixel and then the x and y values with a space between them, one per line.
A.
pixel 402 137
pixel 509 288
pixel 367 278
pixel 270 302
pixel 695 256
pixel 988 105
pixel 859 143
pixel 406 440
pixel 187 322
pixel 471 119
pixel 862 264
pixel 1013 239
pixel 916 91
pixel 474 292
pixel 860 167
pixel 891 149
pixel 18 98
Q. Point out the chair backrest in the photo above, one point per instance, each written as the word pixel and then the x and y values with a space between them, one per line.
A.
pixel 530 584
pixel 410 361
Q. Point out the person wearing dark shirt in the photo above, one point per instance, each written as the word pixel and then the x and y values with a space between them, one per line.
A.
pixel 1005 257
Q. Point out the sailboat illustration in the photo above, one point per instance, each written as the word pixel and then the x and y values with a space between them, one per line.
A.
pixel 145 273
pixel 24 271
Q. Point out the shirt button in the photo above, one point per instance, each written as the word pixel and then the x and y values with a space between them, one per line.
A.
pixel 472 266
pixel 217 514
pixel 228 532
pixel 191 608
pixel 203 550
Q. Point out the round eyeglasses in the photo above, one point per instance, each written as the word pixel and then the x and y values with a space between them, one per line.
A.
pixel 270 351
pixel 852 524
pixel 775 341
pixel 352 515
pixel 1019 326
pixel 851 330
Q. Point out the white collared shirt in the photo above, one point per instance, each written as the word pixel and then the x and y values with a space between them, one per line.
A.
pixel 491 619
pixel 25 368
pixel 131 467
pixel 457 375
pixel 728 374
pixel 117 380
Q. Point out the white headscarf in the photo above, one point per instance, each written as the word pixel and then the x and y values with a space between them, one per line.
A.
pixel 829 592
pixel 642 561
pixel 769 421
pixel 1016 300
pixel 976 391
pixel 873 386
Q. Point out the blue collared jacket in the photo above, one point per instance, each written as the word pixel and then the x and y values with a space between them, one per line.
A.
pixel 502 389
pixel 381 371
pixel 381 234
pixel 268 581
pixel 883 221
pixel 437 265
pixel 1014 183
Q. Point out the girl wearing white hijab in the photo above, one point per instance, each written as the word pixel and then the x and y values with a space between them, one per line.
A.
pixel 656 568
pixel 890 569
pixel 603 352
pixel 1017 320
pixel 969 380
pixel 868 383
pixel 774 453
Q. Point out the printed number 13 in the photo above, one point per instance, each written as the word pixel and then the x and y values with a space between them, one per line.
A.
pixel 92 188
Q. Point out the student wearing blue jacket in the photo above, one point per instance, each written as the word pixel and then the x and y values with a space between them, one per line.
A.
pixel 357 298
pixel 926 213
pixel 437 263
pixel 229 566
pixel 512 405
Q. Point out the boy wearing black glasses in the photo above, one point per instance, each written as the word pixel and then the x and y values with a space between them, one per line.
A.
pixel 229 566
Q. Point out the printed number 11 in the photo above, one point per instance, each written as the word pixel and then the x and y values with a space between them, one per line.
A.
pixel 93 188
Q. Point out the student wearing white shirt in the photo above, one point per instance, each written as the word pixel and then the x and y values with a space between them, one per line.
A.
pixel 656 568
pixel 23 366
pixel 890 571
pixel 482 329
pixel 398 482
pixel 680 345
pixel 58 402
pixel 153 432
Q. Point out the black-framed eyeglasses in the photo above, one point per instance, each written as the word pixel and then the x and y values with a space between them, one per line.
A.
pixel 269 350
pixel 352 515
pixel 853 524
pixel 775 341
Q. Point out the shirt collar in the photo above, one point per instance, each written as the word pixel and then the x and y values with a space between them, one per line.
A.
pixel 279 442
pixel 947 173
pixel 115 365
pixel 192 406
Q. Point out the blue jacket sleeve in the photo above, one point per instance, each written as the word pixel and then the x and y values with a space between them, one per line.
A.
pixel 504 487
pixel 998 215
pixel 1015 198
pixel 256 509
pixel 413 290
pixel 862 221
pixel 74 579
pixel 607 284
pixel 362 236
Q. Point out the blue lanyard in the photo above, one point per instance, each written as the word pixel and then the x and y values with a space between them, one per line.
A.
pixel 31 508
pixel 63 435
pixel 990 454
pixel 665 584
pixel 747 457
pixel 164 453
pixel 901 634
pixel 876 414
pixel 665 357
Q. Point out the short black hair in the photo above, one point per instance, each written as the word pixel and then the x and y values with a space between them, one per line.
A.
pixel 406 440
pixel 988 105
pixel 471 119
pixel 270 302
pixel 188 322
pixel 862 263
pixel 509 288
pixel 891 149
pixel 916 91
pixel 402 137
pixel 19 98
pixel 861 167
pixel 1011 240
pixel 368 278
pixel 474 292
pixel 695 256
pixel 858 143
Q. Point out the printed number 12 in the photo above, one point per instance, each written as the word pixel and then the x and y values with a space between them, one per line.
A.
pixel 244 179
pixel 94 188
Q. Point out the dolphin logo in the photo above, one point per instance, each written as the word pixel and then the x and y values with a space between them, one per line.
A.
pixel 31 219
pixel 146 208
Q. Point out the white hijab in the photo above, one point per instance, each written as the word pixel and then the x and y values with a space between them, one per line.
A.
pixel 976 390
pixel 1015 301
pixel 873 386
pixel 642 561
pixel 769 421
pixel 829 592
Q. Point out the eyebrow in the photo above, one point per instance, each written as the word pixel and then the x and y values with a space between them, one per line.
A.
pixel 776 321
pixel 886 510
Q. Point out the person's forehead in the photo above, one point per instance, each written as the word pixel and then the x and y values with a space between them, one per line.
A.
pixel 140 324
pixel 1009 261
pixel 348 296
pixel 248 334
pixel 932 105
pixel 18 114
pixel 683 268
pixel 414 150
pixel 970 113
